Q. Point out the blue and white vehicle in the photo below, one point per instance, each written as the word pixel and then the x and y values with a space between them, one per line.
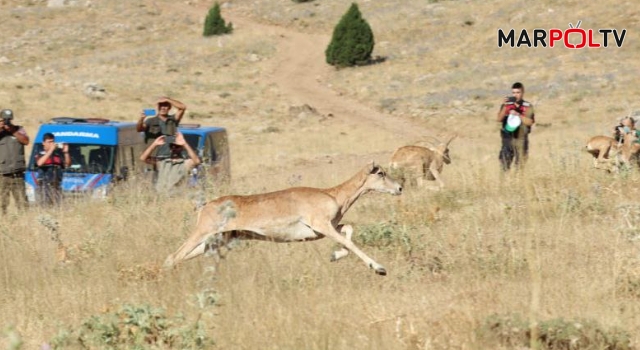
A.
pixel 212 145
pixel 102 152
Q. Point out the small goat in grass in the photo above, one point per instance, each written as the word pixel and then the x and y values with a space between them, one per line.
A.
pixel 610 154
pixel 421 163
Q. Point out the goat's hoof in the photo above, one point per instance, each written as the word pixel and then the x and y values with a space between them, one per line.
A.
pixel 379 270
pixel 333 257
pixel 168 265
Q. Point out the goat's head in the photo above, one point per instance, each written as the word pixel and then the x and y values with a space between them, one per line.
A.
pixel 630 146
pixel 630 136
pixel 439 147
pixel 378 180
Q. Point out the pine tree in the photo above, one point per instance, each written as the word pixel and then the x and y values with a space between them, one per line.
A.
pixel 352 41
pixel 214 23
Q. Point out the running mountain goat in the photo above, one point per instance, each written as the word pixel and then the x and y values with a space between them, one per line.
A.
pixel 417 164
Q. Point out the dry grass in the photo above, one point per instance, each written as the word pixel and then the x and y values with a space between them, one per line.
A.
pixel 560 240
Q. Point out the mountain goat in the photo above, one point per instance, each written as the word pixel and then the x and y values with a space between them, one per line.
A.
pixel 610 154
pixel 296 214
pixel 417 163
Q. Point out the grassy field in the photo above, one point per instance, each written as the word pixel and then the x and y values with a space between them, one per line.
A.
pixel 559 240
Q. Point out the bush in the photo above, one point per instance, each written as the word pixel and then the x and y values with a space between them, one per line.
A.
pixel 214 24
pixel 12 339
pixel 384 235
pixel 134 327
pixel 352 41
pixel 512 331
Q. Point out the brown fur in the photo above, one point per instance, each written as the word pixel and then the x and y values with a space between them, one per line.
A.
pixel 290 215
pixel 417 163
pixel 608 154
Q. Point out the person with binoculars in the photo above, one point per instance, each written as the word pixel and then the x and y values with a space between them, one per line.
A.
pixel 13 138
pixel 158 122
pixel 51 161
pixel 162 123
pixel 172 171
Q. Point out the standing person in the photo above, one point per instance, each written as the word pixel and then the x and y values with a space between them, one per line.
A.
pixel 517 116
pixel 51 161
pixel 162 123
pixel 13 138
pixel 174 170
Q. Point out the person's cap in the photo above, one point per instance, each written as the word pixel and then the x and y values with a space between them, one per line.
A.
pixel 513 122
pixel 164 103
pixel 6 114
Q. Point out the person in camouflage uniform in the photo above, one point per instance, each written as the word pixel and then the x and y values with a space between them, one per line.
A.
pixel 13 138
pixel 515 143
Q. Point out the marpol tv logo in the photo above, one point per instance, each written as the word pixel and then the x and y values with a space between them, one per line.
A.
pixel 571 38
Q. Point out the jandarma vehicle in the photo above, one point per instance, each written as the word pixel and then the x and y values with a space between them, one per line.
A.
pixel 212 146
pixel 102 152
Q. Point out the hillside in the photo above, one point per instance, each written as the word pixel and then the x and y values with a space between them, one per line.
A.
pixel 558 241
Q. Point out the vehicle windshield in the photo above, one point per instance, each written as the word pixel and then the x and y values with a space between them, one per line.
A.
pixel 192 140
pixel 85 158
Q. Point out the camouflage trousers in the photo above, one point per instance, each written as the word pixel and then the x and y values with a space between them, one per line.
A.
pixel 515 149
pixel 12 184
pixel 49 194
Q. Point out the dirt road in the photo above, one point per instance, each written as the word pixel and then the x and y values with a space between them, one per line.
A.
pixel 300 71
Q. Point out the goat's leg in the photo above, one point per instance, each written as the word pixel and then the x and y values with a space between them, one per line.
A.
pixel 422 173
pixel 227 240
pixel 613 160
pixel 347 230
pixel 603 161
pixel 199 243
pixel 327 229
pixel 608 165
pixel 209 235
pixel 436 174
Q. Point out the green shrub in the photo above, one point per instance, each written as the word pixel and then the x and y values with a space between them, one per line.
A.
pixel 513 331
pixel 352 41
pixel 382 235
pixel 214 24
pixel 12 339
pixel 134 327
pixel 376 235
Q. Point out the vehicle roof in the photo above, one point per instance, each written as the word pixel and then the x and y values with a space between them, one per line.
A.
pixel 199 129
pixel 83 130
pixel 88 121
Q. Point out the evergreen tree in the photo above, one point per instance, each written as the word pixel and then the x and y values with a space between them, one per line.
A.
pixel 214 23
pixel 352 41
